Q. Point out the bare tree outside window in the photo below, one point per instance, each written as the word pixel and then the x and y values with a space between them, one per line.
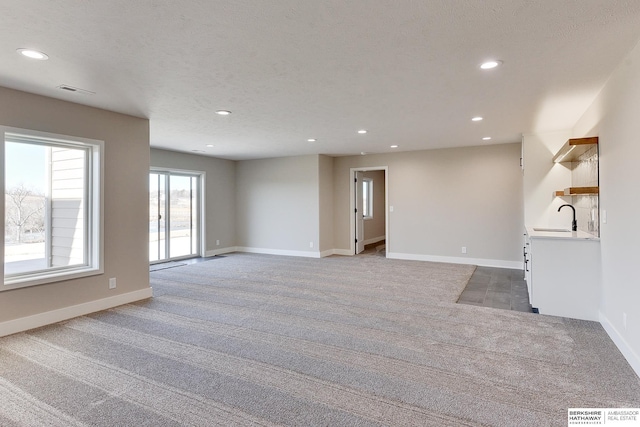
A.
pixel 24 214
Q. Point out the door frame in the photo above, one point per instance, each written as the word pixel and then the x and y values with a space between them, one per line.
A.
pixel 352 207
pixel 358 216
pixel 202 175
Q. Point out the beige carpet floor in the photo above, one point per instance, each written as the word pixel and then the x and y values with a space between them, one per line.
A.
pixel 340 341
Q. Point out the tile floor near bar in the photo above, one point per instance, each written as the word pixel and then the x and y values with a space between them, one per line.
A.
pixel 498 288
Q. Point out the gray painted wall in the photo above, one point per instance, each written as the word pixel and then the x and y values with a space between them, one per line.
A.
pixel 283 204
pixel 325 176
pixel 443 200
pixel 278 204
pixel 126 206
pixel 220 193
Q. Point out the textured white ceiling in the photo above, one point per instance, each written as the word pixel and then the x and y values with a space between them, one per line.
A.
pixel 289 70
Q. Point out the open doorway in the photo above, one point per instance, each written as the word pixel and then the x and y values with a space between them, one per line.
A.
pixel 369 219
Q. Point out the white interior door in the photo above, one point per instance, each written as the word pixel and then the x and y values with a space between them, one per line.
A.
pixel 359 213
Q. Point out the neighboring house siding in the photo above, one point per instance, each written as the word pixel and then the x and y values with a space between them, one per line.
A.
pixel 67 206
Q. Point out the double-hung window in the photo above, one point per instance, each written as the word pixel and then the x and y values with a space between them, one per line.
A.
pixel 52 207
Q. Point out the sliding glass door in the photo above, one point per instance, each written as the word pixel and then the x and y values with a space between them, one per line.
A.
pixel 174 215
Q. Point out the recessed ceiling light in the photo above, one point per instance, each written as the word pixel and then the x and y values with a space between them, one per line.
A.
pixel 198 151
pixel 363 153
pixel 394 146
pixel 33 54
pixel 476 119
pixel 362 131
pixel 223 112
pixel 311 140
pixel 490 64
pixel 486 138
pixel 209 145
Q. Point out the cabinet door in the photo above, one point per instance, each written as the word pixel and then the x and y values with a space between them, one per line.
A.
pixel 565 277
pixel 527 267
pixel 522 155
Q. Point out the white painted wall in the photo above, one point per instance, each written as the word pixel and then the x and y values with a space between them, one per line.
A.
pixel 542 177
pixel 615 118
pixel 278 205
pixel 443 200
pixel 220 194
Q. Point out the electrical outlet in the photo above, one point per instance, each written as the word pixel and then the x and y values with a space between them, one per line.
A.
pixel 624 320
pixel 464 249
pixel 604 216
pixel 112 283
pixel 217 242
pixel 311 245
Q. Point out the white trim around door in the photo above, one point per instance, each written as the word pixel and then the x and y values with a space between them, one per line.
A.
pixel 200 177
pixel 352 207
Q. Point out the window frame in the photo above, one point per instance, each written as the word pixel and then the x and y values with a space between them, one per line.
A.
pixel 94 203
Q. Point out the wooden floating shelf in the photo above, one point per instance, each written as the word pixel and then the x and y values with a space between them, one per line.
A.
pixel 577 191
pixel 574 148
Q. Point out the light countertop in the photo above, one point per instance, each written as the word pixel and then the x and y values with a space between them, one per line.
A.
pixel 564 235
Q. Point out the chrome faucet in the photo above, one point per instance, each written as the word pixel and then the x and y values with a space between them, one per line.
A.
pixel 574 224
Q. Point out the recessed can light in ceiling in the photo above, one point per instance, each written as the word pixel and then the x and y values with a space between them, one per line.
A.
pixel 490 64
pixel 209 145
pixel 223 112
pixel 362 131
pixel 33 54
pixel 311 140
pixel 476 119
pixel 394 146
pixel 486 138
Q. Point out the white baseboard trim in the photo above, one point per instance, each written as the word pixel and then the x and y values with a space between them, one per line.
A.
pixel 345 252
pixel 221 251
pixel 41 319
pixel 306 254
pixel 391 255
pixel 458 260
pixel 327 253
pixel 374 240
pixel 627 351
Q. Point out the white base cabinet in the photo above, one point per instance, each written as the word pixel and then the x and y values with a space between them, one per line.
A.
pixel 563 276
